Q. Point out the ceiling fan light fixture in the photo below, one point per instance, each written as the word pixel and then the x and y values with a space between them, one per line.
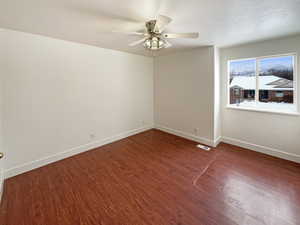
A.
pixel 154 43
pixel 154 37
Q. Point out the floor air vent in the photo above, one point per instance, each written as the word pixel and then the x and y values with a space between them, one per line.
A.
pixel 203 147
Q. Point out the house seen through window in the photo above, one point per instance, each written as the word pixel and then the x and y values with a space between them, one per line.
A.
pixel 267 83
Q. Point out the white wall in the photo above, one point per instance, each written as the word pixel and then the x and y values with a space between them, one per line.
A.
pixel 1 123
pixel 274 134
pixel 184 94
pixel 61 96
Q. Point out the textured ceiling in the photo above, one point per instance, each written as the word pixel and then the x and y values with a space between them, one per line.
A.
pixel 219 22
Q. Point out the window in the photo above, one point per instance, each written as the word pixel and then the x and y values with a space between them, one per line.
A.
pixel 264 83
pixel 279 94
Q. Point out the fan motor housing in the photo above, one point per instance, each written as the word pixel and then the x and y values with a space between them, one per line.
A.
pixel 150 25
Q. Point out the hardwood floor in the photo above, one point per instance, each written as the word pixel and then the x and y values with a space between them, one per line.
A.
pixel 155 178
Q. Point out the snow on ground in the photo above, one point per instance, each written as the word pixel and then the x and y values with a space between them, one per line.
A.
pixel 277 106
pixel 249 82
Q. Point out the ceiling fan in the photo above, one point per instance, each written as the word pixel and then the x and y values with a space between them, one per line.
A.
pixel 154 38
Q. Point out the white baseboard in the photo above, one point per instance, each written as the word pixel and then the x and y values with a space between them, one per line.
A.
pixel 182 134
pixel 262 149
pixel 233 141
pixel 79 149
pixel 217 141
pixel 70 152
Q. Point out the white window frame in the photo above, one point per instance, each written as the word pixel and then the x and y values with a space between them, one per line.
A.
pixel 257 107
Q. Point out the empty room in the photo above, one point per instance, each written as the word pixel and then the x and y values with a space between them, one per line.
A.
pixel 150 112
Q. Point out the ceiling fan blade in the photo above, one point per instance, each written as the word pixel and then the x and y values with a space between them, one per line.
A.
pixel 138 42
pixel 181 35
pixel 167 44
pixel 161 23
pixel 129 32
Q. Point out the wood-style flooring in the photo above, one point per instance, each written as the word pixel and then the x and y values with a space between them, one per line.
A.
pixel 154 178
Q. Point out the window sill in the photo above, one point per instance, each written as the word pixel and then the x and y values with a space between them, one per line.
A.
pixel 287 112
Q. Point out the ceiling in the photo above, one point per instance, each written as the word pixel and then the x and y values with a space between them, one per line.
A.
pixel 219 22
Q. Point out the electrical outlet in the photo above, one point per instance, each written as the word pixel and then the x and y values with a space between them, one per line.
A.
pixel 92 136
pixel 196 131
pixel 143 122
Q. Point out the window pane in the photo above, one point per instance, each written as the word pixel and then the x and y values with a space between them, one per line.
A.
pixel 276 78
pixel 242 82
